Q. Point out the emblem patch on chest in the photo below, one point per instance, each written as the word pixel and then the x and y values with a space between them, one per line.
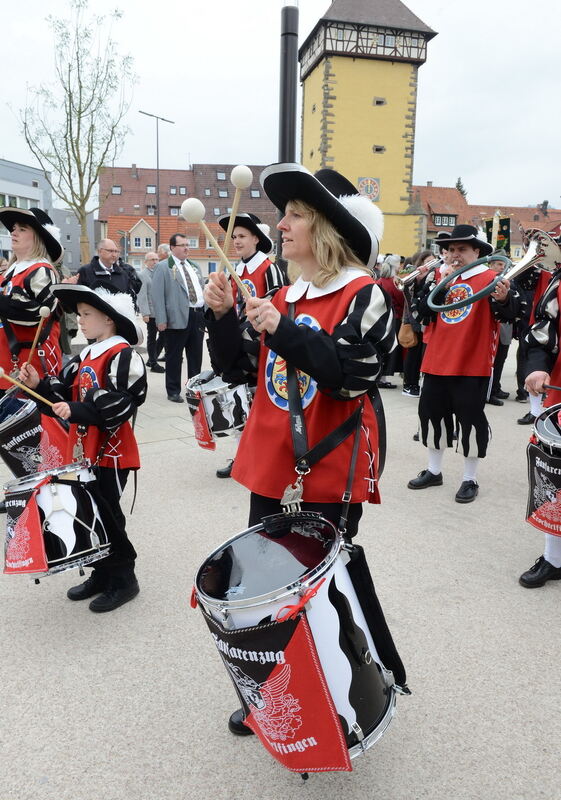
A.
pixel 250 286
pixel 275 373
pixel 460 291
pixel 88 380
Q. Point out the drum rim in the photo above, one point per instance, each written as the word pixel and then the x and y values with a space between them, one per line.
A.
pixel 36 477
pixel 281 592
pixel 548 412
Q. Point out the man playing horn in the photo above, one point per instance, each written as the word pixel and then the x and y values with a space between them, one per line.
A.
pixel 458 360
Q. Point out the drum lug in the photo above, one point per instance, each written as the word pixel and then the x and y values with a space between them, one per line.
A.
pixel 357 730
pixel 401 689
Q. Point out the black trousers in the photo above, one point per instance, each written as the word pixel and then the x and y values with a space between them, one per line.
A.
pixel 154 341
pixel 118 566
pixel 444 397
pixel 260 506
pixel 412 363
pixel 178 340
pixel 500 358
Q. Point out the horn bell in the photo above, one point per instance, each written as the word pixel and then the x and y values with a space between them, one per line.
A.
pixel 543 251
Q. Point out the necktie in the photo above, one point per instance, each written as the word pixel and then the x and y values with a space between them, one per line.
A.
pixel 190 288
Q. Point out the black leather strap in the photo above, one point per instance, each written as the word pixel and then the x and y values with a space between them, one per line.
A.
pixel 295 410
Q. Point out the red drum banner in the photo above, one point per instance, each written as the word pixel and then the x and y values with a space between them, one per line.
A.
pixel 25 548
pixel 544 494
pixel 279 679
pixel 203 433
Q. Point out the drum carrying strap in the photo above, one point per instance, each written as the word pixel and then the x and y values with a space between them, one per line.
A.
pixel 306 457
pixel 16 345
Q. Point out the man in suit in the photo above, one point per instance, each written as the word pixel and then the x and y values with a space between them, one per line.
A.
pixel 177 298
pixel 105 270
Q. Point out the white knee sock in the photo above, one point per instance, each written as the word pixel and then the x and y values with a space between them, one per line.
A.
pixel 536 407
pixel 470 468
pixel 435 460
pixel 552 551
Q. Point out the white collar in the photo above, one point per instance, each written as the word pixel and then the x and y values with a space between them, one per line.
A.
pixel 17 267
pixel 251 265
pixel 97 348
pixel 301 287
pixel 470 273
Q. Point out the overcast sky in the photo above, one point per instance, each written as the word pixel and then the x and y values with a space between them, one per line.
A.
pixel 489 102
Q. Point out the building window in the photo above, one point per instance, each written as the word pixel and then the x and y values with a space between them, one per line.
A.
pixel 182 190
pixel 390 40
pixel 216 212
pixel 137 241
pixel 223 193
pixel 228 210
pixel 208 245
pixel 115 190
pixel 193 242
pixel 68 220
pixel 151 210
pixel 2 200
pixel 35 184
pixel 173 189
pixel 220 176
pixel 340 34
pixel 255 193
pixel 379 101
pixel 212 266
pixel 174 211
pixel 378 148
pixel 68 257
pixel 438 220
pixel 314 108
pixel 148 242
pixel 23 202
pixel 150 189
pixel 67 237
pixel 207 192
pixel 517 252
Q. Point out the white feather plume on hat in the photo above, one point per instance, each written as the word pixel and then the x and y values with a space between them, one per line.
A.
pixel 122 303
pixel 264 228
pixel 53 230
pixel 366 212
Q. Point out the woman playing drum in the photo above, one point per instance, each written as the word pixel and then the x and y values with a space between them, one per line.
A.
pixel 333 327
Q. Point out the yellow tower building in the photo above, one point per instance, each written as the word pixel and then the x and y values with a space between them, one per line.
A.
pixel 359 69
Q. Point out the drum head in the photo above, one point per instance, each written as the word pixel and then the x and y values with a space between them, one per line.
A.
pixel 265 562
pixel 547 427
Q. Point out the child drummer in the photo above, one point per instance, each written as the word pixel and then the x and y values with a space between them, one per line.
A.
pixel 98 391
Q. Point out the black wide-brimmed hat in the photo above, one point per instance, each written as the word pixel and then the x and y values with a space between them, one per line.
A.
pixel 117 305
pixel 359 221
pixel 253 224
pixel 464 233
pixel 41 223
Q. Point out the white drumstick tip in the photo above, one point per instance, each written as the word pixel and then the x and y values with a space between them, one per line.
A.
pixel 241 176
pixel 44 312
pixel 192 210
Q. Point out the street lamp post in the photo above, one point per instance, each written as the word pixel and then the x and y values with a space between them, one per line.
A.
pixel 288 81
pixel 157 118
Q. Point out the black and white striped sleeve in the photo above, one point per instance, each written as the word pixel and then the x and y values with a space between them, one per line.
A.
pixel 22 305
pixel 347 362
pixel 274 279
pixel 543 336
pixel 125 389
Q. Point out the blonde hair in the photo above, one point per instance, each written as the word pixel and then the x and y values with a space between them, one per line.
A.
pixel 330 249
pixel 38 251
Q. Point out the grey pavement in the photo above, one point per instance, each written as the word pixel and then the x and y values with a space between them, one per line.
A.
pixel 132 705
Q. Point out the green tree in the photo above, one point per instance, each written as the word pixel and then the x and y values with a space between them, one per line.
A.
pixel 73 125
pixel 461 188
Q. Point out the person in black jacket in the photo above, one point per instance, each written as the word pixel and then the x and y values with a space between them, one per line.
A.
pixel 106 270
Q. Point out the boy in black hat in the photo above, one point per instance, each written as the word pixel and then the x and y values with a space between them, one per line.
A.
pixel 458 360
pixel 98 392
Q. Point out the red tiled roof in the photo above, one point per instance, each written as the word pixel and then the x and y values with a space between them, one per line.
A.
pixel 168 226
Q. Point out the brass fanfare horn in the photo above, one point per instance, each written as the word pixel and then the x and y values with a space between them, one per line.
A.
pixel 542 250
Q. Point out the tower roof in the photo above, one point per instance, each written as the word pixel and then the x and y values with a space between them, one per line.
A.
pixel 384 13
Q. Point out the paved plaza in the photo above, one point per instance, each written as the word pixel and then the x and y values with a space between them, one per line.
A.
pixel 132 705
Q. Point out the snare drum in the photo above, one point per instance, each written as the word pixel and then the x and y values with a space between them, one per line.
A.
pixel 52 522
pixel 294 565
pixel 218 408
pixel 29 441
pixel 544 472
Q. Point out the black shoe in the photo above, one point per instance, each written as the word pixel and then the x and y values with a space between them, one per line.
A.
pixel 114 596
pixel 467 492
pixel 411 391
pixel 540 573
pixel 175 398
pixel 95 584
pixel 2 506
pixel 494 401
pixel 157 368
pixel 225 472
pixel 527 419
pixel 425 479
pixel 415 437
pixel 386 385
pixel 236 725
pixel 502 395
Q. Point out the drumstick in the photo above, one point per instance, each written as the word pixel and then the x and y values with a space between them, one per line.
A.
pixel 44 312
pixel 241 177
pixel 548 386
pixel 193 210
pixel 25 388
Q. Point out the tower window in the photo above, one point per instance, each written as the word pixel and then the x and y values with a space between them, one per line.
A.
pixel 379 101
pixel 378 148
pixel 314 108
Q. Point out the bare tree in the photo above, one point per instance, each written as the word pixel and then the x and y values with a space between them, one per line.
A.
pixel 73 127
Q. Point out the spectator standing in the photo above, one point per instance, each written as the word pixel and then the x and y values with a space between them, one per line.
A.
pixel 105 270
pixel 155 339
